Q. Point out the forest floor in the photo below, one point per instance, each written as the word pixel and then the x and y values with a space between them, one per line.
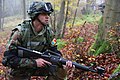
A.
pixel 75 50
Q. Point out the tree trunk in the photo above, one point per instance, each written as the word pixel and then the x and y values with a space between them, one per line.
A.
pixel 54 20
pixel 75 13
pixel 64 26
pixel 108 33
pixel 112 23
pixel 88 9
pixel 60 19
pixel 100 44
pixel 24 9
pixel 1 14
pixel 3 4
pixel 94 6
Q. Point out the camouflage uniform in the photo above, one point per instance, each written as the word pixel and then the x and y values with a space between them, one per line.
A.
pixel 21 68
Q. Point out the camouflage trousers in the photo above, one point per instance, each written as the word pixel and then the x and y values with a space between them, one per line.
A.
pixel 25 74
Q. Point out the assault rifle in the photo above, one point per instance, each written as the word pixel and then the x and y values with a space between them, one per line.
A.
pixel 55 59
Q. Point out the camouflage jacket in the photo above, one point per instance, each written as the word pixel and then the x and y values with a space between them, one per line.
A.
pixel 24 35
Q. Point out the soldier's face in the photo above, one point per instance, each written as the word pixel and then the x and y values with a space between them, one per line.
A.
pixel 44 18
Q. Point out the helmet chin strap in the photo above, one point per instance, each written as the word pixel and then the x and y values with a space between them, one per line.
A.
pixel 40 22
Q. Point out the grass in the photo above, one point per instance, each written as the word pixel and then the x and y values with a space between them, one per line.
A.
pixel 92 18
pixel 9 24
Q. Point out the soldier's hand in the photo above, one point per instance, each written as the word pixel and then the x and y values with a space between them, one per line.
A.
pixel 69 64
pixel 41 62
pixel 70 69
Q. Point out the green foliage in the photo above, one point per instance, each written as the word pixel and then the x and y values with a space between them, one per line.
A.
pixel 89 18
pixel 60 44
pixel 93 48
pixel 79 21
pixel 116 74
pixel 78 40
pixel 100 21
pixel 104 48
pixel 117 69
pixel 101 47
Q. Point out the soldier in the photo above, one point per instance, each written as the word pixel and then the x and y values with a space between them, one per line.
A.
pixel 33 34
pixel 101 7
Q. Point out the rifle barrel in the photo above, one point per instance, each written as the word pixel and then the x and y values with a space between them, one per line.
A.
pixel 78 66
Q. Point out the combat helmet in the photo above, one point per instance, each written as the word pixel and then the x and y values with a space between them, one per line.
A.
pixel 39 7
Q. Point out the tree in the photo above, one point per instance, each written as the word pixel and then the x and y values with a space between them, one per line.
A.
pixel 64 26
pixel 100 44
pixel 60 19
pixel 54 19
pixel 0 12
pixel 75 13
pixel 109 29
pixel 24 9
pixel 1 15
pixel 112 23
pixel 88 5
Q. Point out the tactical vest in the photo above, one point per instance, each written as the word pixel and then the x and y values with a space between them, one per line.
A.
pixel 32 40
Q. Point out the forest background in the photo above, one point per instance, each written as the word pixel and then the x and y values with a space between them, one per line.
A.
pixel 86 32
